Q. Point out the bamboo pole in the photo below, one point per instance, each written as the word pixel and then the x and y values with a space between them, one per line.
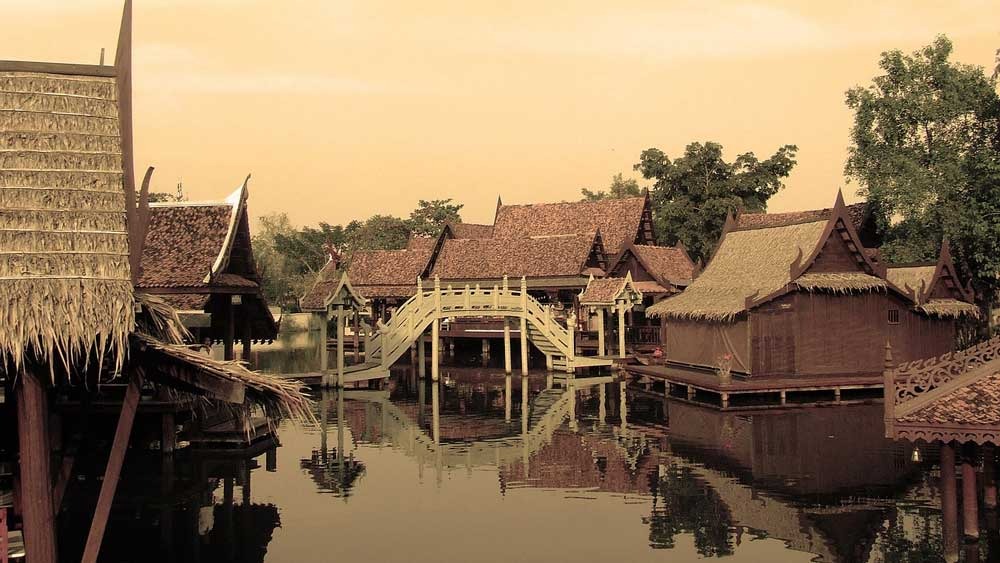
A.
pixel 113 470
pixel 36 495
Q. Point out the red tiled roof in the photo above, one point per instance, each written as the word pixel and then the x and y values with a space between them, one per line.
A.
pixel 547 256
pixel 326 281
pixel 856 211
pixel 471 230
pixel 666 262
pixel 650 287
pixel 182 244
pixel 387 267
pixel 601 290
pixel 420 243
pixel 977 404
pixel 617 219
pixel 186 301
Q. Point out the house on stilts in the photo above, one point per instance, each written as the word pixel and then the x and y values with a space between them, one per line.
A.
pixel 198 258
pixel 76 328
pixel 798 295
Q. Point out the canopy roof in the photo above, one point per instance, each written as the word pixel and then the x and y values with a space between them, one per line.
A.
pixel 333 287
pixel 610 291
pixel 760 258
pixel 65 275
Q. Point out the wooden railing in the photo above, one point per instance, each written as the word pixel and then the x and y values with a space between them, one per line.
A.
pixel 642 335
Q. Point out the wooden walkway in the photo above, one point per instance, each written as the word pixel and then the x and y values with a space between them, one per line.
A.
pixel 705 388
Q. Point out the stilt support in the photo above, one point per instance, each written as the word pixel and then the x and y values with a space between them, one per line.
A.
pixel 35 481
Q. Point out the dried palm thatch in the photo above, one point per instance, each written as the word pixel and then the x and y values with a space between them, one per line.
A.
pixel 161 334
pixel 916 278
pixel 748 263
pixel 840 282
pixel 949 308
pixel 64 270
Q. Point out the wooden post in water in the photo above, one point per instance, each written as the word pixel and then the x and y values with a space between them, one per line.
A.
pixel 524 326
pixel 323 319
pixel 486 352
pixel 949 502
pixel 970 493
pixel 230 332
pixel 602 409
pixel 356 317
pixel 571 344
pixel 602 349
pixel 113 470
pixel 506 346
pixel 621 330
pixel 35 482
pixel 421 356
pixel 168 428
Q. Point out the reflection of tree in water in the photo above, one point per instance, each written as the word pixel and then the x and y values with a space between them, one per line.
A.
pixel 333 475
pixel 911 538
pixel 681 504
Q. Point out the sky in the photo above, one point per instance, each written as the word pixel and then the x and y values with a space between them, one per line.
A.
pixel 342 109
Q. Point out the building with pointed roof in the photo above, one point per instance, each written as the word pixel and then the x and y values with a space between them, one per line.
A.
pixel 796 294
pixel 198 258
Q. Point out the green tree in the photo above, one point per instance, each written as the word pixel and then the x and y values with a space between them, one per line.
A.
pixel 620 187
pixel 924 151
pixel 279 283
pixel 430 216
pixel 692 195
pixel 379 232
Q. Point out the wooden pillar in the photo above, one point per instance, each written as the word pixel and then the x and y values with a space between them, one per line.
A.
pixel 230 330
pixel 246 333
pixel 970 496
pixel 323 319
pixel 506 346
pixel 949 502
pixel 621 331
pixel 571 330
pixel 436 349
pixel 357 336
pixel 602 349
pixel 549 366
pixel 486 352
pixel 271 460
pixel 507 399
pixel 421 356
pixel 524 326
pixel 113 470
pixel 35 469
pixel 340 347
pixel 989 477
pixel 168 441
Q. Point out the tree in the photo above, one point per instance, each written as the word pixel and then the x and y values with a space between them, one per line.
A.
pixel 379 232
pixel 692 195
pixel 619 188
pixel 924 150
pixel 430 216
pixel 280 284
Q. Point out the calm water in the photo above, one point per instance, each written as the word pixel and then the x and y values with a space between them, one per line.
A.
pixel 466 470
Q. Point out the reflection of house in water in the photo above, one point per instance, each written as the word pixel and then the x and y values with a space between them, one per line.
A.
pixel 185 504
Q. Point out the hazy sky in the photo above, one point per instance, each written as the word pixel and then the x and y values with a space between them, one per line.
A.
pixel 344 109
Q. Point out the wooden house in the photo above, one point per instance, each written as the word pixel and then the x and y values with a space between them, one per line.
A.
pixel 793 294
pixel 198 258
pixel 70 251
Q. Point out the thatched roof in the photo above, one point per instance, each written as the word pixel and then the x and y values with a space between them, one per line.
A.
pixel 949 308
pixel 65 276
pixel 160 353
pixel 857 212
pixel 534 257
pixel 916 277
pixel 748 263
pixel 620 221
pixel 840 282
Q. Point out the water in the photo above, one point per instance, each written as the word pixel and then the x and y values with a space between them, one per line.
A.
pixel 465 471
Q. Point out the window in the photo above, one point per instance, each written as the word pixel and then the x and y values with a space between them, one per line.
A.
pixel 894 316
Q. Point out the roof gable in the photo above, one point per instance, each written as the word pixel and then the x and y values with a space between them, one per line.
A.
pixel 610 291
pixel 543 256
pixel 668 265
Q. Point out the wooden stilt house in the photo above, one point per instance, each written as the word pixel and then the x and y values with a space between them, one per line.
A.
pixel 787 295
pixel 198 258
pixel 69 250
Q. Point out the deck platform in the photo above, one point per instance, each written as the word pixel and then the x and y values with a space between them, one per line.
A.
pixel 703 387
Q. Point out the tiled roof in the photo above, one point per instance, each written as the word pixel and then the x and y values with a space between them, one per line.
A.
pixel 183 243
pixel 186 301
pixel 420 243
pixel 471 230
pixel 617 219
pixel 856 212
pixel 601 290
pixel 387 267
pixel 977 404
pixel 547 256
pixel 650 287
pixel 326 282
pixel 666 262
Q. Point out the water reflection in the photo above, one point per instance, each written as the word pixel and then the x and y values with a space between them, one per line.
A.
pixel 555 470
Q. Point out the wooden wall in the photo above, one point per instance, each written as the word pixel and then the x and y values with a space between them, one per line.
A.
pixel 918 336
pixel 818 334
pixel 631 264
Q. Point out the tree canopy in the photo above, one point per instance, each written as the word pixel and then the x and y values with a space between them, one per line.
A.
pixel 620 187
pixel 924 151
pixel 692 194
pixel 430 216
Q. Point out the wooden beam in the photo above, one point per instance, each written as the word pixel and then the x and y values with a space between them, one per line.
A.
pixel 58 68
pixel 113 470
pixel 36 495
pixel 229 330
pixel 212 387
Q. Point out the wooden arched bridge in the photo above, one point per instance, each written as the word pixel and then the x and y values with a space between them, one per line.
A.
pixel 427 308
